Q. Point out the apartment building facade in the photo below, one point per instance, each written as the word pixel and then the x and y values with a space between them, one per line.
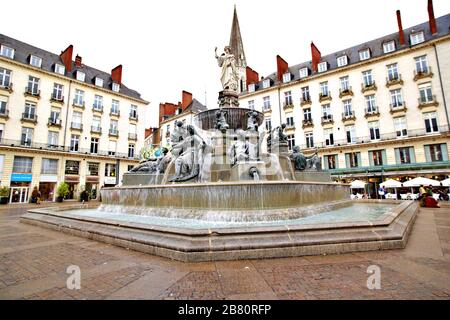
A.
pixel 61 120
pixel 372 111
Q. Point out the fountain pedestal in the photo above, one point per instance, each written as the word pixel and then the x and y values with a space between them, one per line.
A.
pixel 242 171
pixel 228 99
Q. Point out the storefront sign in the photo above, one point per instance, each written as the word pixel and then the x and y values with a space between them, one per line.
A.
pixel 21 177
pixel 92 179
pixel 48 178
pixel 73 179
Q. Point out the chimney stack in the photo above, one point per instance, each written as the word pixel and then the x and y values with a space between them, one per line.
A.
pixel 315 57
pixel 282 68
pixel 186 99
pixel 401 33
pixel 66 58
pixel 432 20
pixel 78 61
pixel 116 74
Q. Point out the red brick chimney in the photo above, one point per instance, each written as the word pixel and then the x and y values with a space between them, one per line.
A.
pixel 315 56
pixel 78 61
pixel 282 67
pixel 116 74
pixel 186 99
pixel 432 20
pixel 66 57
pixel 401 34
pixel 251 76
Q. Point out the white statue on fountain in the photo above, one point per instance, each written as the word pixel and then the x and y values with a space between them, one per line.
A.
pixel 229 76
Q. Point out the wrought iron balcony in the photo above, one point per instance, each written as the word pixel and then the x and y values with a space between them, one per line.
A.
pixel 345 92
pixel 307 123
pixel 327 119
pixel 78 104
pixel 7 87
pixel 427 101
pixel 97 108
pixel 54 122
pixel 4 113
pixel 113 132
pixel 325 96
pixel 371 112
pixel 114 113
pixel 349 115
pixel 133 116
pixel 305 100
pixel 397 107
pixel 29 117
pixel 55 98
pixel 394 80
pixel 288 105
pixel 368 87
pixel 96 129
pixel 32 93
pixel 424 73
pixel 76 126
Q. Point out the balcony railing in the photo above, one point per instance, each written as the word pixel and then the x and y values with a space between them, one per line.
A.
pixel 54 122
pixel 76 126
pixel 416 133
pixel 427 101
pixel 327 119
pixel 34 93
pixel 288 105
pixel 267 108
pixel 307 123
pixel 345 92
pixel 96 129
pixel 78 104
pixel 132 136
pixel 29 117
pixel 97 108
pixel 324 96
pixel 397 107
pixel 55 98
pixel 368 87
pixel 371 112
pixel 424 73
pixel 114 113
pixel 4 113
pixel 7 87
pixel 305 100
pixel 394 80
pixel 113 132
pixel 349 115
pixel 50 147
pixel 133 116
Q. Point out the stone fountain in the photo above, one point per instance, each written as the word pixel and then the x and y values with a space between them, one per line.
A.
pixel 229 190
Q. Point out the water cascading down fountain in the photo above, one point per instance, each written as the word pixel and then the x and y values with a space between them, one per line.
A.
pixel 229 190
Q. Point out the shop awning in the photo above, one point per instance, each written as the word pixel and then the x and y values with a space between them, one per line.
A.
pixel 390 183
pixel 358 184
pixel 417 182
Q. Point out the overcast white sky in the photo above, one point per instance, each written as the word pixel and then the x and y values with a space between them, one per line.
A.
pixel 168 46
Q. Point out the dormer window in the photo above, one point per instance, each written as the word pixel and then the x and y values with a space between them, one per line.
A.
pixel 35 61
pixel 251 87
pixel 115 87
pixel 179 111
pixel 322 67
pixel 6 51
pixel 417 37
pixel 389 46
pixel 342 61
pixel 364 54
pixel 80 76
pixel 98 82
pixel 286 77
pixel 59 68
pixel 266 83
pixel 303 73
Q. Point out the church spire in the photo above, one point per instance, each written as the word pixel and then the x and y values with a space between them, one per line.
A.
pixel 237 48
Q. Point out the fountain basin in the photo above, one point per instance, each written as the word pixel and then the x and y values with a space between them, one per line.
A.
pixel 387 230
pixel 262 195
